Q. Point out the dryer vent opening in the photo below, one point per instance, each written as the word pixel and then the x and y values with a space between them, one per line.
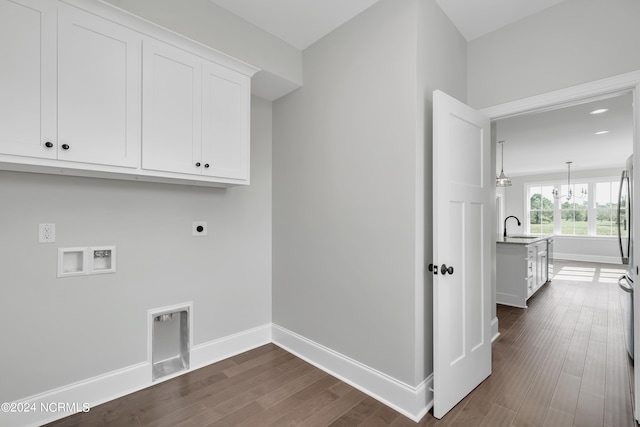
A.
pixel 170 342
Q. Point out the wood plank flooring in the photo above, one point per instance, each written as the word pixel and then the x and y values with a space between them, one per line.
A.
pixel 561 362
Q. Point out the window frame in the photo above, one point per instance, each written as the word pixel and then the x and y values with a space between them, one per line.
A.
pixel 592 209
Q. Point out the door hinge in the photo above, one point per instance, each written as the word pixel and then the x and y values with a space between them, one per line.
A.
pixel 431 268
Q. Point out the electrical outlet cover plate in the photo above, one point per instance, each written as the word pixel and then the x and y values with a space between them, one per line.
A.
pixel 199 228
pixel 46 233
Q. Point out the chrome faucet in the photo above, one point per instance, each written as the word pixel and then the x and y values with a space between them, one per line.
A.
pixel 505 223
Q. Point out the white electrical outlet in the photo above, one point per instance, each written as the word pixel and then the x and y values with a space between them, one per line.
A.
pixel 46 233
pixel 199 228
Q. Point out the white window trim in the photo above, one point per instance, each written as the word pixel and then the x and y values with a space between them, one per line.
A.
pixel 557 218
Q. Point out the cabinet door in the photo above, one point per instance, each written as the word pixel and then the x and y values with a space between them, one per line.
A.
pixel 225 122
pixel 171 99
pixel 27 77
pixel 98 90
pixel 532 255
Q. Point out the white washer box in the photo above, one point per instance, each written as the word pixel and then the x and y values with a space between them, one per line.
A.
pixel 86 260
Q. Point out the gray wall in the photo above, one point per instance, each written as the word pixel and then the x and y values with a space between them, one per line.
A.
pixel 349 180
pixel 208 23
pixel 59 331
pixel 574 42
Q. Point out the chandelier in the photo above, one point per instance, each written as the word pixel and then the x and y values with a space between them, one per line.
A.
pixel 569 195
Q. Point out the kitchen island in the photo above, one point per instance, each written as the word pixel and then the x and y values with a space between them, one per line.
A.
pixel 522 267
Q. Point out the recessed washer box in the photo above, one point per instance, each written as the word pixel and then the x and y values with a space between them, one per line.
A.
pixel 103 259
pixel 86 260
pixel 71 262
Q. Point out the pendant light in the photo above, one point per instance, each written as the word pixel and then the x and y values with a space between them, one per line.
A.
pixel 569 195
pixel 502 180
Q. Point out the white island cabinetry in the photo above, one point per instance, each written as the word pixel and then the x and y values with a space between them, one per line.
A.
pixel 521 269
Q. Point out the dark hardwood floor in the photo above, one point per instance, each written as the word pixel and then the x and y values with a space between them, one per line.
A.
pixel 561 362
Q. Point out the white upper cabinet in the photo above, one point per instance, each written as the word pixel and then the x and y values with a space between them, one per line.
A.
pixel 171 98
pixel 225 122
pixel 88 90
pixel 28 78
pixel 195 115
pixel 98 90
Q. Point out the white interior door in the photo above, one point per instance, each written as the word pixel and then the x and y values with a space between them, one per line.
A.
pixel 462 237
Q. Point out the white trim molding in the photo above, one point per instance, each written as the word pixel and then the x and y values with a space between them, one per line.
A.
pixel 412 402
pixel 586 258
pixel 86 394
pixel 495 331
pixel 231 345
pixel 574 94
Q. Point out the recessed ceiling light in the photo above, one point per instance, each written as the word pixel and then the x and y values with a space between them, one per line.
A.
pixel 602 132
pixel 599 111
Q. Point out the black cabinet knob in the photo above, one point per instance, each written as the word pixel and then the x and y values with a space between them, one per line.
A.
pixel 65 146
pixel 48 144
pixel 198 164
pixel 206 165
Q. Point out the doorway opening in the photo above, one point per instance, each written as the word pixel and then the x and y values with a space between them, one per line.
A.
pixel 576 95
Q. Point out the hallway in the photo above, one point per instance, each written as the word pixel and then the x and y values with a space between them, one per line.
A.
pixel 560 362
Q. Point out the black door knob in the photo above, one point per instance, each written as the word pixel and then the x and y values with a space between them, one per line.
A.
pixel 48 144
pixel 444 269
pixel 198 164
pixel 206 165
pixel 65 146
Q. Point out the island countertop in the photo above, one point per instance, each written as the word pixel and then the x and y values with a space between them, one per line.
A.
pixel 523 239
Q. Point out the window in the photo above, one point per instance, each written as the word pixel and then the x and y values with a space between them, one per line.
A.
pixel 591 211
pixel 574 212
pixel 606 199
pixel 541 209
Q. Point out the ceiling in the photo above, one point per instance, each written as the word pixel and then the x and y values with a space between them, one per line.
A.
pixel 476 18
pixel 302 22
pixel 543 142
pixel 536 143
pixel 298 22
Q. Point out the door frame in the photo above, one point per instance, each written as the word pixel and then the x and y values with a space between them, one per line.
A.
pixel 575 95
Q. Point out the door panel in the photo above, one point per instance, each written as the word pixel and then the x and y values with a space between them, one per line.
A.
pixel 225 136
pixel 463 199
pixel 28 83
pixel 98 90
pixel 172 110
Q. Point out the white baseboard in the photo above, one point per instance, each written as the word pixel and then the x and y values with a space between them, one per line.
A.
pixel 112 385
pixel 494 329
pixel 413 402
pixel 509 299
pixel 223 348
pixel 587 258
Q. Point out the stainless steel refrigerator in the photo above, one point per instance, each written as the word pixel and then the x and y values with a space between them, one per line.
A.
pixel 625 240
